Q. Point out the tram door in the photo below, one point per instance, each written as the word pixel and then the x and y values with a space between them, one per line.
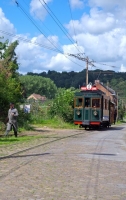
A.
pixel 87 109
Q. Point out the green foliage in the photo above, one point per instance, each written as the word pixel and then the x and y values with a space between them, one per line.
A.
pixel 10 87
pixel 2 126
pixel 63 105
pixel 55 122
pixel 78 79
pixel 39 113
pixel 24 120
pixel 38 85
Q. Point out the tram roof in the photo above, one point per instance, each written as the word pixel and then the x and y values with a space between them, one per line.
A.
pixel 90 92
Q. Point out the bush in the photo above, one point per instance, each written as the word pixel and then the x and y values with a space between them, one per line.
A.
pixel 63 105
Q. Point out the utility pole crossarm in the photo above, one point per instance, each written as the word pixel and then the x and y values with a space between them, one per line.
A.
pixel 88 62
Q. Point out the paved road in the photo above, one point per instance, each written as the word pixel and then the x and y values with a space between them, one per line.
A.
pixel 67 165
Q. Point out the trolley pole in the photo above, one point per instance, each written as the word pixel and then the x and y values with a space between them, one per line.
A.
pixel 87 71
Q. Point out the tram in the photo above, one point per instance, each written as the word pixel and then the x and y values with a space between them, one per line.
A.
pixel 93 108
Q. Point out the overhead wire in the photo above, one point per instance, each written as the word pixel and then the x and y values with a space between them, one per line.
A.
pixel 72 19
pixel 51 13
pixel 35 43
pixel 54 20
pixel 41 31
pixel 18 5
pixel 27 40
pixel 41 22
pixel 57 22
pixel 104 64
pixel 84 59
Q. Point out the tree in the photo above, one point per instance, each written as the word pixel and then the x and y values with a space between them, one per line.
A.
pixel 38 85
pixel 63 105
pixel 10 87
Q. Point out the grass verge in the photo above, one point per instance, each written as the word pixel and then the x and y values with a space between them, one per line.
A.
pixel 21 139
pixel 56 123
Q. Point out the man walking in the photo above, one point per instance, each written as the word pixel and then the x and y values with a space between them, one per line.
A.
pixel 12 120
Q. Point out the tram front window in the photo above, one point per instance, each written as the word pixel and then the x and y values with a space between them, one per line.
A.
pixel 87 102
pixel 95 103
pixel 79 102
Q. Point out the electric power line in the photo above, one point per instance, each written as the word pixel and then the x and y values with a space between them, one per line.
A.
pixel 27 40
pixel 42 23
pixel 72 19
pixel 56 20
pixel 18 5
pixel 104 64
pixel 38 44
pixel 58 23
pixel 88 62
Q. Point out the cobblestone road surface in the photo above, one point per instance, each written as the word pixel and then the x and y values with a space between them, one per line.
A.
pixel 67 165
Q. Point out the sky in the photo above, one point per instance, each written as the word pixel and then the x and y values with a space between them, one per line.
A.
pixel 61 35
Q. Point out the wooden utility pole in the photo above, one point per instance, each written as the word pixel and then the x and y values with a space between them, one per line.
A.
pixel 88 62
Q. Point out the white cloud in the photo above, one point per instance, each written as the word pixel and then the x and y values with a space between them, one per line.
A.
pixel 5 26
pixel 37 8
pixel 105 47
pixel 100 33
pixel 97 22
pixel 76 4
pixel 107 4
pixel 31 57
pixel 122 68
pixel 62 62
pixel 50 42
pixel 74 49
pixel 67 62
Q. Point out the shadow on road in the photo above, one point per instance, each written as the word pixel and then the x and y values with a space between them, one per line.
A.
pixel 21 156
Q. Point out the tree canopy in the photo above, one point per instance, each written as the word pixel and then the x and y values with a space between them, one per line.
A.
pixel 38 85
pixel 10 87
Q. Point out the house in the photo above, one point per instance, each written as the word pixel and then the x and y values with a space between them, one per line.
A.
pixel 37 97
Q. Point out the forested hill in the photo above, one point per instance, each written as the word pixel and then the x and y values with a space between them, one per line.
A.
pixel 116 80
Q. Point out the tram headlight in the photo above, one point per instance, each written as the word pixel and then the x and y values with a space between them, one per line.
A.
pixel 95 113
pixel 78 112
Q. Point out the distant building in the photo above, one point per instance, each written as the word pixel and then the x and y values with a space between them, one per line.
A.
pixel 37 97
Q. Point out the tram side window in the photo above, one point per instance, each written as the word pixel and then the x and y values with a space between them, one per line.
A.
pixel 96 103
pixel 87 102
pixel 79 102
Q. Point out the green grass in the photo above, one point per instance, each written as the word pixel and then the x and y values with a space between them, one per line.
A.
pixel 55 123
pixel 20 139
